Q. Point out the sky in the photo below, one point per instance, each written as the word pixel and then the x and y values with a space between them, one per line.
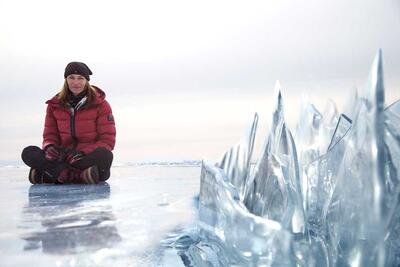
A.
pixel 184 78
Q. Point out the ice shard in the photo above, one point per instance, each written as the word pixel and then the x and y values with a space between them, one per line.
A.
pixel 320 177
pixel 274 191
pixel 307 135
pixel 342 127
pixel 307 138
pixel 392 145
pixel 313 134
pixel 392 171
pixel 236 162
pixel 350 106
pixel 357 237
pixel 330 119
pixel 249 240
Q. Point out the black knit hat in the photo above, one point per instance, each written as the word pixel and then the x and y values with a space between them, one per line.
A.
pixel 78 68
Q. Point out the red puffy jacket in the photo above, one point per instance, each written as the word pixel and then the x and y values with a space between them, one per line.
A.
pixel 85 129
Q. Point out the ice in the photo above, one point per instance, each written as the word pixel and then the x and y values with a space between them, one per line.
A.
pixel 313 136
pixel 236 162
pixel 392 145
pixel 392 157
pixel 342 127
pixel 118 223
pixel 242 237
pixel 328 197
pixel 274 190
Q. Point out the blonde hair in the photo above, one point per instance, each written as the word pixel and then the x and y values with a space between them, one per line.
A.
pixel 65 93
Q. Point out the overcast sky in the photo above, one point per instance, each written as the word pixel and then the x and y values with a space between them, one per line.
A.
pixel 184 77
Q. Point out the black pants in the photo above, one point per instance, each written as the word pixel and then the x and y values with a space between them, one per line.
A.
pixel 34 157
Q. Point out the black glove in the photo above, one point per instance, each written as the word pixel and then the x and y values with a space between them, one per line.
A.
pixel 73 156
pixel 52 153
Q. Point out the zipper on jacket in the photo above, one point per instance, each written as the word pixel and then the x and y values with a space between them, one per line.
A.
pixel 72 125
pixel 73 110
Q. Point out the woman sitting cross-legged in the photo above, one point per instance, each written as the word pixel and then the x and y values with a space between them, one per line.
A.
pixel 79 134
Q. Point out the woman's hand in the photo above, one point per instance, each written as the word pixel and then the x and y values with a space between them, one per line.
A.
pixel 51 153
pixel 74 156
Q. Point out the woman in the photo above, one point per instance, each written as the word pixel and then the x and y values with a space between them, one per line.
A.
pixel 79 134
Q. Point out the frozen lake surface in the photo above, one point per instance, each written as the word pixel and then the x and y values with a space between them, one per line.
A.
pixel 118 223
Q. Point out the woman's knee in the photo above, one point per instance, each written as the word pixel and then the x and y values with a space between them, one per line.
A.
pixel 30 153
pixel 104 153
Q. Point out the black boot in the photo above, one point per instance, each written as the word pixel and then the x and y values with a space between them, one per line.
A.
pixel 90 175
pixel 42 171
pixel 35 176
pixel 43 177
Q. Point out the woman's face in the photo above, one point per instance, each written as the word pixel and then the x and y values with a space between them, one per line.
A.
pixel 76 83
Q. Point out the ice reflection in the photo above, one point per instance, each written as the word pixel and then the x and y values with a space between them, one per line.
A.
pixel 69 219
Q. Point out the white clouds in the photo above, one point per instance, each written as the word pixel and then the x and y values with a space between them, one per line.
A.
pixel 284 33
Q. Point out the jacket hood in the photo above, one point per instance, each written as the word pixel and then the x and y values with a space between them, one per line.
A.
pixel 100 97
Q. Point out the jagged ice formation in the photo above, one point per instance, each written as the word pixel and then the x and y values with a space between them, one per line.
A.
pixel 326 196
